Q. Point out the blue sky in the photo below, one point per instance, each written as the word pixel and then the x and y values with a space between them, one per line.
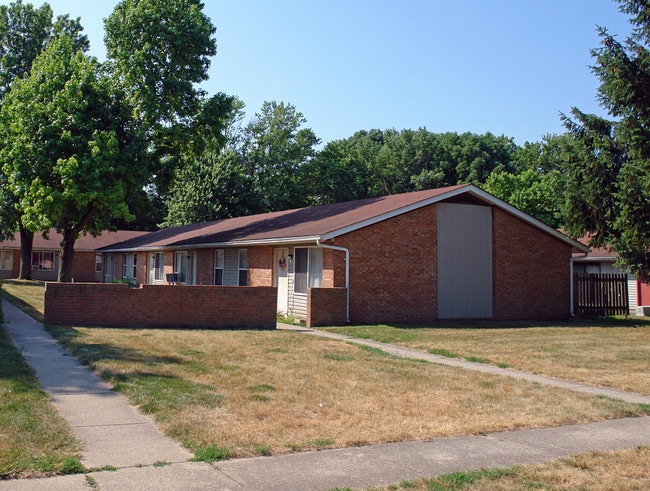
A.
pixel 504 66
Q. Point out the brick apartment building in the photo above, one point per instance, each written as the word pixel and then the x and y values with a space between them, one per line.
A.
pixel 449 253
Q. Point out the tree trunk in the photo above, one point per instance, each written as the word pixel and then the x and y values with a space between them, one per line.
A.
pixel 67 255
pixel 26 245
pixel 70 234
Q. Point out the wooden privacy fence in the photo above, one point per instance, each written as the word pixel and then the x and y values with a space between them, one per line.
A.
pixel 600 295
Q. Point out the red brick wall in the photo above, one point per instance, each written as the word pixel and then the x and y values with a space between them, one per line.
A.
pixel 83 266
pixel 111 305
pixel 393 269
pixel 531 271
pixel 326 307
pixel 260 266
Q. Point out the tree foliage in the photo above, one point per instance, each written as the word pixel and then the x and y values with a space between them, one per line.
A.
pixel 259 169
pixel 24 33
pixel 159 51
pixel 377 163
pixel 274 149
pixel 71 152
pixel 211 187
pixel 608 181
pixel 536 183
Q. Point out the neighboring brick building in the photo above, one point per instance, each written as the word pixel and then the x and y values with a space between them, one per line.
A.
pixel 46 254
pixel 450 253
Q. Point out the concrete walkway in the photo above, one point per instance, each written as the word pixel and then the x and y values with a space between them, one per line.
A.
pixel 479 367
pixel 115 434
pixel 110 430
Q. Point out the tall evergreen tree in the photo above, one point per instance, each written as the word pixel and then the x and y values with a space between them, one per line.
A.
pixel 608 181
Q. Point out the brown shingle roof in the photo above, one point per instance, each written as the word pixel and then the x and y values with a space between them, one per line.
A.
pixel 83 243
pixel 303 223
pixel 309 224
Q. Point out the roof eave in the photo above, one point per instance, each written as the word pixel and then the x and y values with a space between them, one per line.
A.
pixel 217 245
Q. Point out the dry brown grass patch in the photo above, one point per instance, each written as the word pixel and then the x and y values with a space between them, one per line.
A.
pixel 281 391
pixel 616 357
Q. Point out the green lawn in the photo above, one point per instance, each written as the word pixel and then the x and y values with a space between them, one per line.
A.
pixel 34 440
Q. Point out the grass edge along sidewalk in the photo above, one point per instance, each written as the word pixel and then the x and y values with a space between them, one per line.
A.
pixel 35 441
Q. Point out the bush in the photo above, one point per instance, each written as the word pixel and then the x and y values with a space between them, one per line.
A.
pixel 130 282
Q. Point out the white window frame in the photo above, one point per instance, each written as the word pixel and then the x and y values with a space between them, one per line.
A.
pixel 314 269
pixel 41 258
pixel 185 267
pixel 157 271
pixel 129 265
pixel 7 259
pixel 99 263
pixel 242 266
pixel 219 262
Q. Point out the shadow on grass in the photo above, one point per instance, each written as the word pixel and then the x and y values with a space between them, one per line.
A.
pixel 88 354
pixel 572 323
pixel 22 305
pixel 161 395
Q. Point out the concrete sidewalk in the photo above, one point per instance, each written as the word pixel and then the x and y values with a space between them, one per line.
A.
pixel 113 433
pixel 359 467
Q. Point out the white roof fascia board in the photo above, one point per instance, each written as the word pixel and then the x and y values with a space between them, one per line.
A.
pixel 213 245
pixel 602 259
pixel 252 242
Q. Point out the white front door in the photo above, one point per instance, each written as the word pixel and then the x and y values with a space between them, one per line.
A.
pixel 282 279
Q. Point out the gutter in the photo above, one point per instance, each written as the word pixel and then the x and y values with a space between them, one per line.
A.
pixel 214 245
pixel 347 273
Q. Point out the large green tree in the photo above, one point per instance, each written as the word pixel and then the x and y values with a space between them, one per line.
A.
pixel 536 183
pixel 275 147
pixel 69 149
pixel 159 51
pixel 252 169
pixel 608 181
pixel 24 33
pixel 377 163
pixel 210 187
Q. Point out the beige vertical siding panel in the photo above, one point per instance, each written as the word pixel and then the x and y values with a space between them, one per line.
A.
pixel 465 287
pixel 231 267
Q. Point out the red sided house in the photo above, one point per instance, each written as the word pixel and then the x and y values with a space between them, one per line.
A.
pixel 450 253
pixel 46 255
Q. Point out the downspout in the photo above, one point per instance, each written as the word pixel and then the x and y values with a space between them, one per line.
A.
pixel 347 274
pixel 571 309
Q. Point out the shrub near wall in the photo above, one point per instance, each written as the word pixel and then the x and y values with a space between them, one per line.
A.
pixel 159 306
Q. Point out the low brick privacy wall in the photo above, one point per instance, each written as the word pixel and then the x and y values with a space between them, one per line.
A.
pixel 326 307
pixel 157 306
